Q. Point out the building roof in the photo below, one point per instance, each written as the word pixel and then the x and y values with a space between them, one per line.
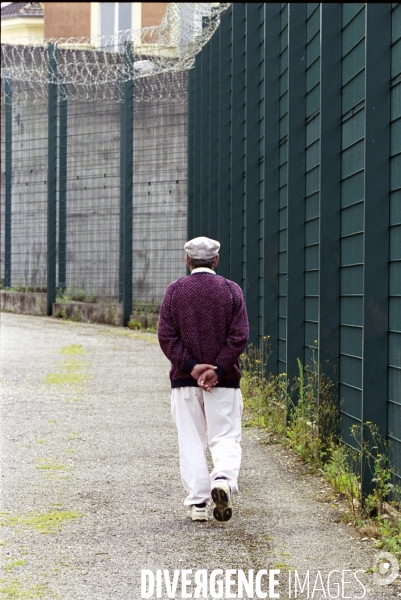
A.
pixel 22 9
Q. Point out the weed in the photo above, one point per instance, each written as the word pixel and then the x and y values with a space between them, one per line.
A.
pixel 92 298
pixel 134 324
pixel 76 314
pixel 71 295
pixel 62 313
pixel 340 471
pixel 145 306
pixel 110 315
pixel 306 417
pixel 265 397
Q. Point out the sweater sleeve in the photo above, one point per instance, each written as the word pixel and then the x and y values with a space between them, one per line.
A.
pixel 237 337
pixel 169 337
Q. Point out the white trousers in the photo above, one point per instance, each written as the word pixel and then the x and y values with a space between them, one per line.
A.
pixel 202 419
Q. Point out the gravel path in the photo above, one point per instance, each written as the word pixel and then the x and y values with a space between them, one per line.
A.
pixel 87 440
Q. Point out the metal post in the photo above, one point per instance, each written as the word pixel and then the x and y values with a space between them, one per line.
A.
pixel 282 225
pixel 296 187
pixel 121 221
pixel 271 178
pixel 377 218
pixel 224 95
pixel 191 153
pixel 329 186
pixel 204 221
pixel 237 154
pixel 127 177
pixel 214 141
pixel 198 201
pixel 252 206
pixel 62 244
pixel 52 179
pixel 9 155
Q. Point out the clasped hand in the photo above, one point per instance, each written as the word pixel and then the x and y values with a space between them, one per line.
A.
pixel 205 375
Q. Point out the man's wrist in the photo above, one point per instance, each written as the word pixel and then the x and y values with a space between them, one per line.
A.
pixel 189 365
pixel 220 371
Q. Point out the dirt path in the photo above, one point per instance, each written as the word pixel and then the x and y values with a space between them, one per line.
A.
pixel 91 490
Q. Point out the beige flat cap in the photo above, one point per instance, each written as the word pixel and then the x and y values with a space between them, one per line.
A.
pixel 202 247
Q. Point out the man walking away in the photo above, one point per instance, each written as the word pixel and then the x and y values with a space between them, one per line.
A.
pixel 203 329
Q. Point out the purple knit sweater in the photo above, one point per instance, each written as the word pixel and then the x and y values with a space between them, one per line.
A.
pixel 203 320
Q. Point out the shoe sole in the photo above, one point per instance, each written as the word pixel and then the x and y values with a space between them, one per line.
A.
pixel 222 511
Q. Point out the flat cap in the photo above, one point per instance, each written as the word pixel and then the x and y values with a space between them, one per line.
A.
pixel 202 247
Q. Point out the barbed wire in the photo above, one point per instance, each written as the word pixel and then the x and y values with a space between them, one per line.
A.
pixel 94 68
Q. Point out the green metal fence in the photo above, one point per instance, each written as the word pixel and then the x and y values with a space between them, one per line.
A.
pixel 295 166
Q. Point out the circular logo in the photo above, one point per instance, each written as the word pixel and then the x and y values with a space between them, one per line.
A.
pixel 386 568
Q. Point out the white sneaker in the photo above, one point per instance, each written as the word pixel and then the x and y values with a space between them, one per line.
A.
pixel 221 495
pixel 198 514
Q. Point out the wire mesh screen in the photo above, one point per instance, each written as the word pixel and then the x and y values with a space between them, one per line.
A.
pixel 26 223
pixel 160 188
pixel 90 221
pixel 92 186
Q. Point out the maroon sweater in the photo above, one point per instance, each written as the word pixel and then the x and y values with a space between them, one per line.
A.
pixel 203 320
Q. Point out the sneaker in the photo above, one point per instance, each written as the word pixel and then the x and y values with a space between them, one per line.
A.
pixel 221 495
pixel 198 513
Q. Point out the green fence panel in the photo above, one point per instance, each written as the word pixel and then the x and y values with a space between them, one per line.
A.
pixel 62 191
pixel 310 226
pixel 8 178
pixel 394 341
pixel 238 148
pixel 296 188
pixel 127 165
pixel 225 139
pixel 271 181
pixel 252 152
pixel 204 217
pixel 52 179
pixel 214 173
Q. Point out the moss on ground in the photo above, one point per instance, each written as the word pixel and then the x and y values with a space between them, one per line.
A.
pixel 70 373
pixel 73 350
pixel 14 590
pixel 45 522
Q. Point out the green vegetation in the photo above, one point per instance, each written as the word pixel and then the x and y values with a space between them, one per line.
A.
pixel 44 522
pixel 73 350
pixel 135 324
pixel 70 372
pixel 303 415
pixel 75 295
pixel 140 307
pixel 45 465
pixel 13 590
pixel 13 564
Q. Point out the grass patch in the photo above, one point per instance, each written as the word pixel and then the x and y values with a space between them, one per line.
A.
pixel 13 590
pixel 46 465
pixel 73 350
pixel 70 374
pixel 44 522
pixel 13 564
